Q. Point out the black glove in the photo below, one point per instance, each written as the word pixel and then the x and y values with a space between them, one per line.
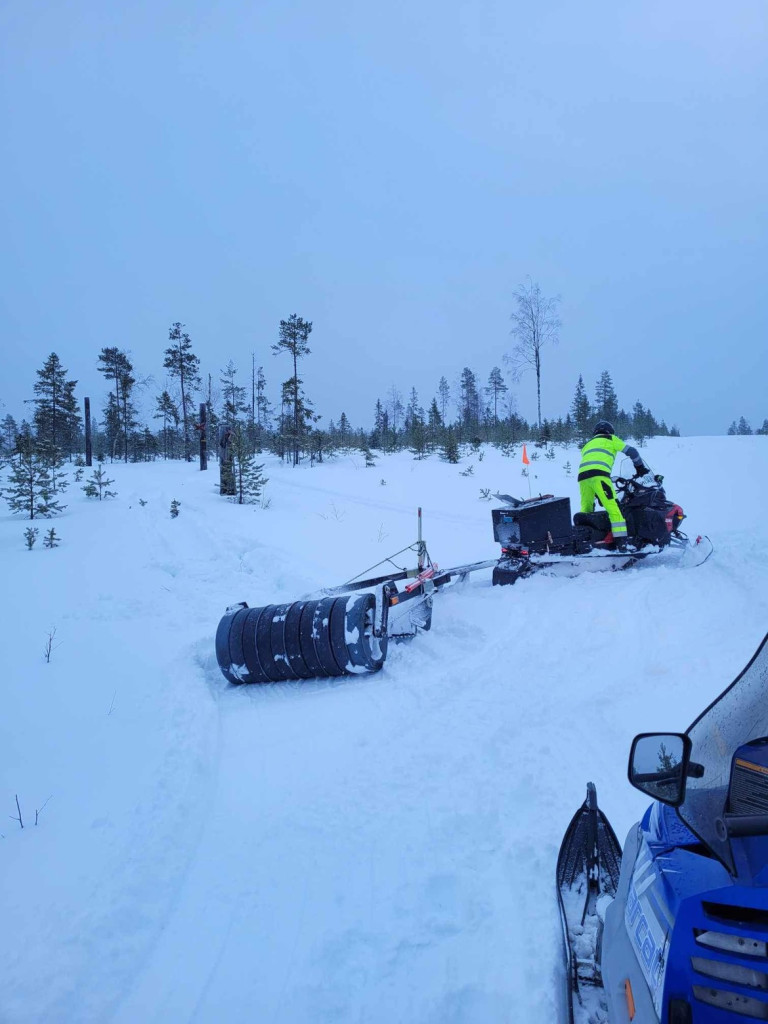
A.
pixel 641 470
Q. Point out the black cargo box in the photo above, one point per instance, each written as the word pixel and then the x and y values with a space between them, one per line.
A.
pixel 537 524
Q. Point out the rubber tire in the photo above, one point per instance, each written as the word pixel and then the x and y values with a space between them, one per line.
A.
pixel 321 634
pixel 359 609
pixel 264 644
pixel 222 643
pixel 308 650
pixel 292 633
pixel 250 654
pixel 277 642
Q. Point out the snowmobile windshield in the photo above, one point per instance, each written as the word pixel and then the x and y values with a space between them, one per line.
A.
pixel 737 716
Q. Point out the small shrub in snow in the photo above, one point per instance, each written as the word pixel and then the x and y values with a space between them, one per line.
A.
pixel 50 646
pixel 469 471
pixel 30 536
pixel 549 454
pixel 97 486
pixel 567 468
pixel 485 494
pixel 51 539
pixel 382 482
pixel 175 508
pixel 142 502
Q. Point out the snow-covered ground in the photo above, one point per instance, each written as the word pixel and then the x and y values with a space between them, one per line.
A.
pixel 372 849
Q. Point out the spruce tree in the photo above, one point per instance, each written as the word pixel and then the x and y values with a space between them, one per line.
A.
pixel 581 412
pixel 470 399
pixel 249 479
pixel 606 402
pixel 434 425
pixel 8 431
pixel 450 447
pixel 29 488
pixel 97 486
pixel 184 366
pixel 57 418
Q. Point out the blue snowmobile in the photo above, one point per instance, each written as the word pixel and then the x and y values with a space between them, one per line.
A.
pixel 674 930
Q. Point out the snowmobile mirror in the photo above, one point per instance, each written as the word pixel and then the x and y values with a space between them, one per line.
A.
pixel 658 765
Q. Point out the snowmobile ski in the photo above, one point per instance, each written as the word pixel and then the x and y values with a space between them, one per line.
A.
pixel 588 867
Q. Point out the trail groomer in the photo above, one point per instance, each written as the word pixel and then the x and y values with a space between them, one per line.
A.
pixel 597 458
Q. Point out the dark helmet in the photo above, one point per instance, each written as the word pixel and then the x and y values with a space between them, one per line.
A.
pixel 603 427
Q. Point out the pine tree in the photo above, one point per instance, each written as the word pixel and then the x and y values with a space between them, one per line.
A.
pixel 443 398
pixel 51 539
pixel 183 365
pixel 395 409
pixel 263 405
pixel 30 488
pixel 167 411
pixel 234 395
pixel 581 412
pixel 120 414
pixel 294 339
pixel 495 388
pixel 743 427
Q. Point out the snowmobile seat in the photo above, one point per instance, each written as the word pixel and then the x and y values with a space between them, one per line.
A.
pixel 597 521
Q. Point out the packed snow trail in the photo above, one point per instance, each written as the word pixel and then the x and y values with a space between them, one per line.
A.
pixel 370 849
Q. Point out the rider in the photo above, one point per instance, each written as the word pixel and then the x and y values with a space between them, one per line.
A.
pixel 597 458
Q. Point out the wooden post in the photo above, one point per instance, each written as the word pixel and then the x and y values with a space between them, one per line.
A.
pixel 88 447
pixel 203 436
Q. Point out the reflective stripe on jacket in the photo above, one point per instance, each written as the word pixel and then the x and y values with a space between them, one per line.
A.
pixel 599 455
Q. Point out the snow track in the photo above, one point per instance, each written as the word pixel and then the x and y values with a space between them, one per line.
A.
pixel 372 849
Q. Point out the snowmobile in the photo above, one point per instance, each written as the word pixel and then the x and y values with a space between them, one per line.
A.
pixel 346 630
pixel 539 534
pixel 674 929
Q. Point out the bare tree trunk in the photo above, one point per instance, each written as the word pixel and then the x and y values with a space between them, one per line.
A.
pixel 203 436
pixel 88 441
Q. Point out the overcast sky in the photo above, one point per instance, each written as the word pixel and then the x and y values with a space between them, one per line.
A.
pixel 391 172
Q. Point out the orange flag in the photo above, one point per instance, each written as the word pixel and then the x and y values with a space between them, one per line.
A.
pixel 526 460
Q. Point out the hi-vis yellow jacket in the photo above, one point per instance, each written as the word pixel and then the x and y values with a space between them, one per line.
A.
pixel 599 455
